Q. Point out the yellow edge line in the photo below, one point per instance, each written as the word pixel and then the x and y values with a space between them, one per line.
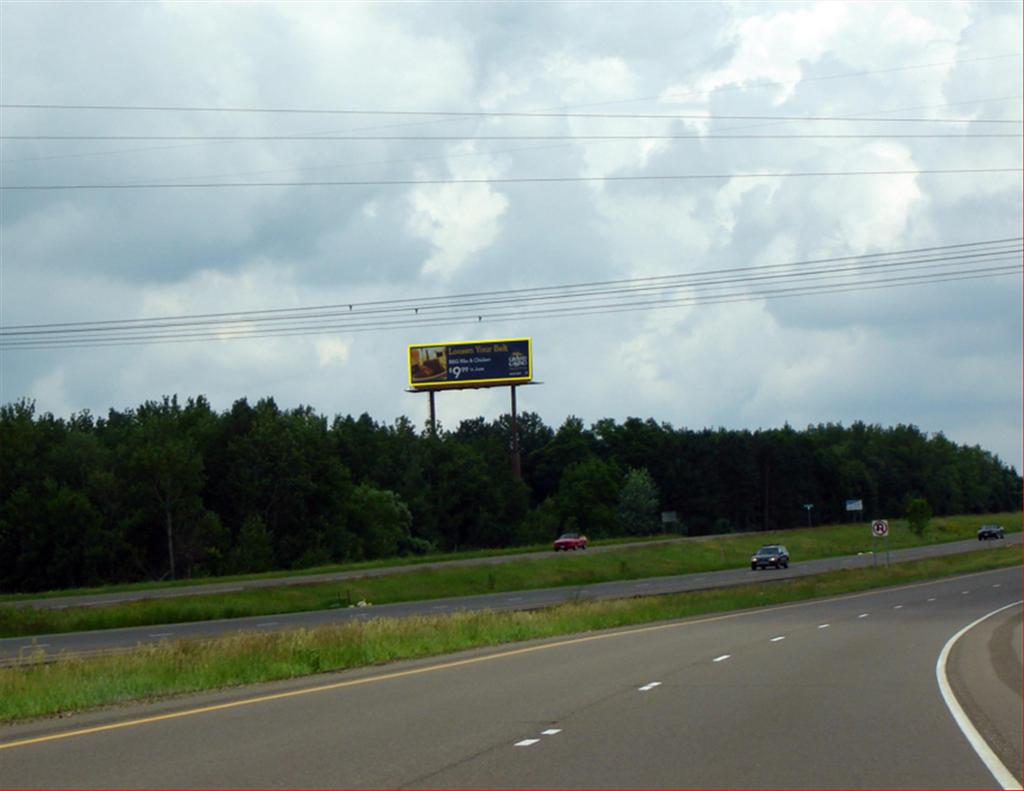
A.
pixel 459 663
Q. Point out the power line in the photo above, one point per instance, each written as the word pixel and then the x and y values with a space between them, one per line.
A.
pixel 946 255
pixel 878 284
pixel 521 114
pixel 117 152
pixel 522 180
pixel 484 138
pixel 572 300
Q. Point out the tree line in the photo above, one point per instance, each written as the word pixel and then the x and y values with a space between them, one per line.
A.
pixel 172 490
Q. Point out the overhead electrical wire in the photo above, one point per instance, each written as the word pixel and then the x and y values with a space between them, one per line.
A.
pixel 555 112
pixel 318 137
pixel 147 149
pixel 929 256
pixel 504 180
pixel 872 285
pixel 993 258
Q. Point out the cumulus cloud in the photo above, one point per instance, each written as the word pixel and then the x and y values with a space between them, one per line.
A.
pixel 459 220
pixel 944 356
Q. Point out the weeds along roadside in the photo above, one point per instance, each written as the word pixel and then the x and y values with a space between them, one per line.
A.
pixel 35 688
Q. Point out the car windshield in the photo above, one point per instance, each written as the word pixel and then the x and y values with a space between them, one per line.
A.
pixel 768 551
pixel 570 535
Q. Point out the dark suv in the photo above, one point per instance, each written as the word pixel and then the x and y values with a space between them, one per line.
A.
pixel 774 555
pixel 986 532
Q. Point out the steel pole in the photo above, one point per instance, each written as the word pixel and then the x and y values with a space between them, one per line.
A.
pixel 517 470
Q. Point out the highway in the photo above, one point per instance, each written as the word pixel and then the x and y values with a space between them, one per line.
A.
pixel 120 597
pixel 13 648
pixel 838 693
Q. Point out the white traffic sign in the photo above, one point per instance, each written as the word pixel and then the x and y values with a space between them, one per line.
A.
pixel 880 528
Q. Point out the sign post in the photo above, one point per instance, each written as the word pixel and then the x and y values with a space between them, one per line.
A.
pixel 880 529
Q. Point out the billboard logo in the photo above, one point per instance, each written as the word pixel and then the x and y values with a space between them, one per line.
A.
pixel 518 360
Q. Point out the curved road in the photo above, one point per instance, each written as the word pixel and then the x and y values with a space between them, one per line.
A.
pixel 837 693
pixel 14 648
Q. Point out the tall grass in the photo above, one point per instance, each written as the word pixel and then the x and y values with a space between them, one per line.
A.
pixel 35 688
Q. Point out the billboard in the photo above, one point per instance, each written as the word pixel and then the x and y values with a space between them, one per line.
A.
pixel 854 505
pixel 490 363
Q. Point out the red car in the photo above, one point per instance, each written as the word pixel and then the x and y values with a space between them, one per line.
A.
pixel 569 541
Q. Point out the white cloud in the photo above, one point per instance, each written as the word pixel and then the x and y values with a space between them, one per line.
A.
pixel 949 356
pixel 332 350
pixel 459 220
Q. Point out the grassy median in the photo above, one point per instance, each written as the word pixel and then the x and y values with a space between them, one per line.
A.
pixel 35 688
pixel 567 569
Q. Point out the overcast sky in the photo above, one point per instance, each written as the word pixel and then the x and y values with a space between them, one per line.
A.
pixel 945 356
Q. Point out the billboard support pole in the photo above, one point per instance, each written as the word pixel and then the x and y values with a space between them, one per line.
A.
pixel 517 470
pixel 433 416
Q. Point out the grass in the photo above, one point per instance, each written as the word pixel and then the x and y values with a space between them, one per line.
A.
pixel 285 574
pixel 37 689
pixel 567 569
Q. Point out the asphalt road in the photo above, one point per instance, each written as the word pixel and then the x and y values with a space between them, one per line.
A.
pixel 14 648
pixel 838 693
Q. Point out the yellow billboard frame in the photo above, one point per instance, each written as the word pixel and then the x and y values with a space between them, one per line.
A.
pixel 469 383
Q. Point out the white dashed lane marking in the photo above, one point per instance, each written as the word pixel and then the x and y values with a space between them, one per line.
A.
pixel 163 634
pixel 898 607
pixel 527 742
pixel 648 687
pixel 824 625
pixel 721 658
pixel 998 584
pixel 964 593
pixel 777 639
pixel 551 731
pixel 864 615
pixel 932 598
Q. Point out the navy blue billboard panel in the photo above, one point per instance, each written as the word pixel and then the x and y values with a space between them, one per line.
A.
pixel 470 363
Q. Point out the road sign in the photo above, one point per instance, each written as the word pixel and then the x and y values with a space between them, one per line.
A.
pixel 880 528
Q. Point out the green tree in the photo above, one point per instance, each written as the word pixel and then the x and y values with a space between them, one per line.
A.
pixel 380 520
pixel 254 549
pixel 169 470
pixel 918 514
pixel 638 503
pixel 588 495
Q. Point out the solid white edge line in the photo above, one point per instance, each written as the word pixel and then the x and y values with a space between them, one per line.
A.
pixel 989 758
